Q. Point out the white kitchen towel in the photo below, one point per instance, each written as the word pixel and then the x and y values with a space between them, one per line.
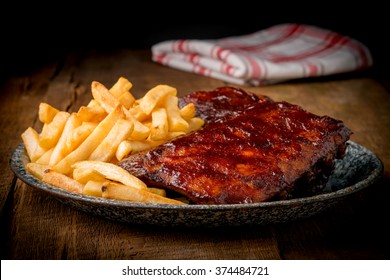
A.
pixel 278 53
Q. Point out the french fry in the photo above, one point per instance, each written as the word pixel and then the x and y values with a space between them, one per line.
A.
pixel 46 112
pixel 159 128
pixel 78 152
pixel 158 191
pixel 91 114
pixel 62 181
pixel 154 96
pixel 126 99
pixel 93 188
pixel 133 147
pixel 123 192
pixel 30 139
pixel 175 120
pixel 174 134
pixel 36 169
pixel 83 151
pixel 121 90
pixel 79 135
pixel 124 149
pixel 93 103
pixel 121 86
pixel 61 149
pixel 102 95
pixel 83 175
pixel 188 111
pixel 45 158
pixel 195 124
pixel 106 149
pixel 112 172
pixel 140 131
pixel 51 132
pixel 137 112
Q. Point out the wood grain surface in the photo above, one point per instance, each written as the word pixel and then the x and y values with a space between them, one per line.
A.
pixel 36 226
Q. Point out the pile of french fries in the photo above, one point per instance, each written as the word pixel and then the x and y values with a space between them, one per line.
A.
pixel 77 151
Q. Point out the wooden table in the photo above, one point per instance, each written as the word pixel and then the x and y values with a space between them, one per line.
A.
pixel 36 226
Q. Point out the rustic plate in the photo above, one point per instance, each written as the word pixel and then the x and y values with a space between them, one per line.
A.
pixel 358 170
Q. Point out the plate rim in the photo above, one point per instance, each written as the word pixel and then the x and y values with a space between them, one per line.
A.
pixel 19 152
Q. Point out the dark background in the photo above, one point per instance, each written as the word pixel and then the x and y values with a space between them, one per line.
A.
pixel 34 34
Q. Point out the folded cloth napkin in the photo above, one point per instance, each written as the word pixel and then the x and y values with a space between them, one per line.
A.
pixel 278 53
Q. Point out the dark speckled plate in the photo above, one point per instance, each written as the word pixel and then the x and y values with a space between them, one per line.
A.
pixel 358 170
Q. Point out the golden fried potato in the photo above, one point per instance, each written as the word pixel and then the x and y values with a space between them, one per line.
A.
pixel 102 95
pixel 36 169
pixel 175 121
pixel 61 149
pixel 86 148
pixel 123 192
pixel 107 148
pixel 159 127
pixel 46 112
pixel 78 151
pixel 51 132
pixel 121 86
pixel 31 142
pixel 62 181
pixel 155 96
pixel 93 188
pixel 112 172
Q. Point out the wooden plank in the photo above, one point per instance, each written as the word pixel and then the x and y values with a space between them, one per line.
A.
pixel 354 229
pixel 18 110
pixel 49 230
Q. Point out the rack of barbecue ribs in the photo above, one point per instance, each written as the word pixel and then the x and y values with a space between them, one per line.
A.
pixel 251 149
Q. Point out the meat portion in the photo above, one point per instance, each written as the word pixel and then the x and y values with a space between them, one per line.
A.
pixel 257 150
pixel 221 103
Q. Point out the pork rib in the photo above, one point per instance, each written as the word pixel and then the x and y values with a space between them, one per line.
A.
pixel 256 151
pixel 221 103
